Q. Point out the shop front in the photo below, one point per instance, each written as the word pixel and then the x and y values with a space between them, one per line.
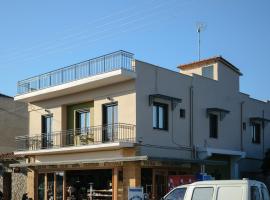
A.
pixel 75 185
pixel 110 178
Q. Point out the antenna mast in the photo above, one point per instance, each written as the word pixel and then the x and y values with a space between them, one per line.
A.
pixel 200 27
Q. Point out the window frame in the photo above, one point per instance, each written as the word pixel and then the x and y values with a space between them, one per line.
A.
pixel 256 139
pixel 78 113
pixel 105 112
pixel 214 134
pixel 207 68
pixel 46 134
pixel 165 116
pixel 44 123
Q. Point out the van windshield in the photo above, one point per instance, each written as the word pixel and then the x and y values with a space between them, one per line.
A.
pixel 176 194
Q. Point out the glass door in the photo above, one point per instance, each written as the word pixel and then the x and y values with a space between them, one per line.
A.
pixel 160 183
pixel 47 141
pixel 110 121
pixel 50 186
pixel 41 186
pixel 59 177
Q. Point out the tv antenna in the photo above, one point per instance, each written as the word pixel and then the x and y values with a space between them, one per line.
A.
pixel 200 27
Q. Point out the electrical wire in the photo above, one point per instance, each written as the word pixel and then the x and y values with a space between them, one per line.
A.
pixel 72 29
pixel 102 36
pixel 83 33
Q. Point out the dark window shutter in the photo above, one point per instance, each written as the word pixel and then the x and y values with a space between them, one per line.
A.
pixel 77 120
pixel 43 124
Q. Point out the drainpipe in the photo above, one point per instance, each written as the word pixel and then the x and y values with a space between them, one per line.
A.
pixel 191 143
pixel 241 125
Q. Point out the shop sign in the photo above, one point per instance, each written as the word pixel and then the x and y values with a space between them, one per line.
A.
pixel 204 177
pixel 176 180
pixel 135 193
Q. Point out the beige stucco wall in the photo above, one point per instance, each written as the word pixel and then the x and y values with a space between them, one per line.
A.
pixel 198 70
pixel 123 93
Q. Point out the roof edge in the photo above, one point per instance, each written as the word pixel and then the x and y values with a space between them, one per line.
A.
pixel 208 61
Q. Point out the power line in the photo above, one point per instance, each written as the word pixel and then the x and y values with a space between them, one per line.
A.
pixel 72 29
pixel 102 35
pixel 82 33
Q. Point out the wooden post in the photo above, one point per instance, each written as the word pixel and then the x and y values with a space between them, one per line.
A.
pixel 64 186
pixel 54 186
pixel 115 183
pixel 32 184
pixel 153 183
pixel 131 176
pixel 45 186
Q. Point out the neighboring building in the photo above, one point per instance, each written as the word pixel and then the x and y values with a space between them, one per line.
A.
pixel 115 122
pixel 13 122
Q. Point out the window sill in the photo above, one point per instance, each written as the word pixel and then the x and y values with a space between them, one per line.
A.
pixel 161 129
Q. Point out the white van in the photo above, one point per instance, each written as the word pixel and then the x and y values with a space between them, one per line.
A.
pixel 220 190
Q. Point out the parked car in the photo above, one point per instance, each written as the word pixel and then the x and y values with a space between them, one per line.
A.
pixel 220 190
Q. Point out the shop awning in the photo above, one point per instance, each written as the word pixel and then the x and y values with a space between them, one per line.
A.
pixel 87 161
pixel 205 152
pixel 145 160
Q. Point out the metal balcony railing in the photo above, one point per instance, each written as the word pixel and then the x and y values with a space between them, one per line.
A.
pixel 87 136
pixel 106 63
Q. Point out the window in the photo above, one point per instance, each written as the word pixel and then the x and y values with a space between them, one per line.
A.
pixel 59 178
pixel 176 194
pixel 213 125
pixel 160 116
pixel 182 113
pixel 203 193
pixel 244 126
pixel 208 72
pixel 41 186
pixel 256 133
pixel 82 119
pixel 254 193
pixel 46 126
pixel 110 121
pixel 265 193
pixel 50 186
pixel 229 192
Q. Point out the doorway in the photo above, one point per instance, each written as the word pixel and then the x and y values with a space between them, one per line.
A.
pixel 110 121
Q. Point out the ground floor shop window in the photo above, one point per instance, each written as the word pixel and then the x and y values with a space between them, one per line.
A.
pixel 41 186
pixel 75 185
pixel 59 177
pixel 50 186
pixel 146 180
pixel 89 184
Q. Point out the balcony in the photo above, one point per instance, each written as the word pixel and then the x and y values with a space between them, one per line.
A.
pixel 104 70
pixel 86 137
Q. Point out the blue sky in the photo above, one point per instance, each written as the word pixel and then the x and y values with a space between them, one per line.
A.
pixel 39 36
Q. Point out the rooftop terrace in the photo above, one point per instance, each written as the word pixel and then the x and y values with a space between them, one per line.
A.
pixel 92 67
